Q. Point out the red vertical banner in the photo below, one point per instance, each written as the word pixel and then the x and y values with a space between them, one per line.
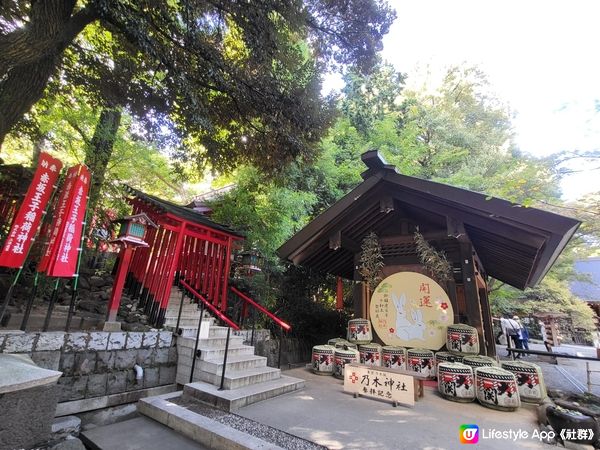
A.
pixel 63 261
pixel 25 225
pixel 58 222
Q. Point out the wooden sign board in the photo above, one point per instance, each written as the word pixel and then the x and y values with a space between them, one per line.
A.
pixel 380 383
pixel 409 309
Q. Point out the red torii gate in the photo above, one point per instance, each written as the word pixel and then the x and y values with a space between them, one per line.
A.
pixel 186 244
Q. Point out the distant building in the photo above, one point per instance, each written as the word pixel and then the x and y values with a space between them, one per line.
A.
pixel 588 291
pixel 199 203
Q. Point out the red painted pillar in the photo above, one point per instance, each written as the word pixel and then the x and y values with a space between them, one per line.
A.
pixel 226 275
pixel 115 296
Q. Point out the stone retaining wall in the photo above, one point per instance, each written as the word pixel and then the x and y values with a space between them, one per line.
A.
pixel 95 364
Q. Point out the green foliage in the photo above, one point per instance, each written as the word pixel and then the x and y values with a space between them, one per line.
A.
pixel 433 260
pixel 267 212
pixel 371 261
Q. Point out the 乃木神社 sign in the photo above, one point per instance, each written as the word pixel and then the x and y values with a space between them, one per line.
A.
pixel 381 383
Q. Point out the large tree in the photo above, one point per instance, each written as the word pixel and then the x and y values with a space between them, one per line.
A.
pixel 241 78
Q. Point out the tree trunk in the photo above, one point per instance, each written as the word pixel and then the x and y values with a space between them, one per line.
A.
pixel 30 54
pixel 23 86
pixel 99 152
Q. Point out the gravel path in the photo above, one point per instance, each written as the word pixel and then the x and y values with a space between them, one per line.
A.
pixel 264 432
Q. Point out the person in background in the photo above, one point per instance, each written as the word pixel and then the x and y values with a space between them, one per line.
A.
pixel 512 329
pixel 524 335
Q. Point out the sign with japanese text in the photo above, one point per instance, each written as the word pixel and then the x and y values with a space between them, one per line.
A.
pixel 58 221
pixel 409 309
pixel 24 227
pixel 379 382
pixel 63 252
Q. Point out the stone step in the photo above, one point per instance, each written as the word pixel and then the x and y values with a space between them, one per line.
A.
pixel 212 353
pixel 239 379
pixel 232 399
pixel 218 331
pixel 234 363
pixel 211 342
pixel 188 323
pixel 207 432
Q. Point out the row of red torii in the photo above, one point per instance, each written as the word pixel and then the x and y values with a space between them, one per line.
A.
pixel 185 245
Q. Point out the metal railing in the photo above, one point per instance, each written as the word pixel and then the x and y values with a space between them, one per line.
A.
pixel 218 314
pixel 283 326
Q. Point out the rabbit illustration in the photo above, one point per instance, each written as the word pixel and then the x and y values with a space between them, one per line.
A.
pixel 406 329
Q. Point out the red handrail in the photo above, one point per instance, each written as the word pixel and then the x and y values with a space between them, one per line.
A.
pixel 272 316
pixel 214 310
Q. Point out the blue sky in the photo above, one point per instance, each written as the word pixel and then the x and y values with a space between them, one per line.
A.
pixel 541 58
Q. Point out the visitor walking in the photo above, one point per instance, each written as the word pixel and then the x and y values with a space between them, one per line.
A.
pixel 512 330
pixel 524 336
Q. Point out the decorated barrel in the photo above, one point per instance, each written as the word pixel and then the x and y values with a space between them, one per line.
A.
pixel 322 359
pixel 335 341
pixel 479 361
pixel 456 381
pixel 462 338
pixel 441 357
pixel 343 357
pixel 422 361
pixel 346 344
pixel 497 388
pixel 359 331
pixel 394 357
pixel 370 354
pixel 530 380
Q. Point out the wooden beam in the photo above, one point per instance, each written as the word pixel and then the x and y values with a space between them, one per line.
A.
pixel 337 240
pixel 471 293
pixel 386 204
pixel 455 227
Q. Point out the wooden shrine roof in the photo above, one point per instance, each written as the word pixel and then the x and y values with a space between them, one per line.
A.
pixel 515 244
pixel 183 213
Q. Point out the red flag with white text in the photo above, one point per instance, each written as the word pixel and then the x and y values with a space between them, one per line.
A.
pixel 63 259
pixel 58 222
pixel 24 227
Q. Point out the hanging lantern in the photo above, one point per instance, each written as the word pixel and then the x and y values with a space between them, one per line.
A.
pixel 133 230
pixel 251 261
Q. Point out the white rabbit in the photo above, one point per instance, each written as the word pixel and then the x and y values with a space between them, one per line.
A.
pixel 406 330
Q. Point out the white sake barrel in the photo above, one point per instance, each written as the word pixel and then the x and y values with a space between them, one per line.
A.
pixel 456 381
pixel 530 380
pixel 462 338
pixel 497 388
pixel 359 331
pixel 421 361
pixel 479 361
pixel 441 357
pixel 322 359
pixel 394 357
pixel 343 357
pixel 370 354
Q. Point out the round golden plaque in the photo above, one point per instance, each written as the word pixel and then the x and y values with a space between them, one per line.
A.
pixel 409 309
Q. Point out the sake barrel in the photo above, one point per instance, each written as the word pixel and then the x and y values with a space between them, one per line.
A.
pixel 394 357
pixel 343 357
pixel 335 341
pixel 359 331
pixel 422 361
pixel 370 354
pixel 441 357
pixel 322 359
pixel 497 388
pixel 346 344
pixel 530 380
pixel 479 361
pixel 462 339
pixel 456 381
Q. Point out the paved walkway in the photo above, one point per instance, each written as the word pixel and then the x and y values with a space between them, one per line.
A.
pixel 140 433
pixel 324 414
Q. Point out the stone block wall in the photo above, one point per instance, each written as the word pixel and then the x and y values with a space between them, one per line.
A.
pixel 95 364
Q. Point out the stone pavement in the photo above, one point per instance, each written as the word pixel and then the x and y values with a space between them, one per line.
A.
pixel 324 414
pixel 141 433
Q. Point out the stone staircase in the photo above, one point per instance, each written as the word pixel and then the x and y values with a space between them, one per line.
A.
pixel 247 379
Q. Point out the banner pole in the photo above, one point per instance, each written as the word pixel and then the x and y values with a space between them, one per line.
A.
pixel 34 237
pixel 51 304
pixel 30 302
pixel 76 276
